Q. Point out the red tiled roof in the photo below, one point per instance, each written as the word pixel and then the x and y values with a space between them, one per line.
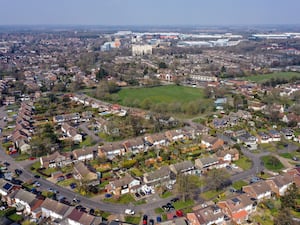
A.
pixel 240 215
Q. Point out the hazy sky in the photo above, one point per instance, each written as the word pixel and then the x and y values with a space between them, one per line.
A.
pixel 149 12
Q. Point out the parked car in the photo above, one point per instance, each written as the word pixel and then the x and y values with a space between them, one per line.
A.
pixel 174 200
pixel 18 172
pixel 37 176
pixel 151 222
pixel 145 219
pixel 60 178
pixel 73 185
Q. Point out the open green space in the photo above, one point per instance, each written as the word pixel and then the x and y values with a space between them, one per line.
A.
pixel 260 78
pixel 172 99
pixel 244 163
pixel 166 94
pixel 272 163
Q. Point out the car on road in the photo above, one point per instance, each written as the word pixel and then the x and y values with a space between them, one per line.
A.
pixel 6 164
pixel 37 176
pixel 129 212
pixel 76 201
pixel 36 184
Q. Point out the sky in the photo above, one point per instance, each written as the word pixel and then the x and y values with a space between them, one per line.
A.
pixel 149 12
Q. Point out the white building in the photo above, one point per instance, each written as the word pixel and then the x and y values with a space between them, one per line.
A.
pixel 141 50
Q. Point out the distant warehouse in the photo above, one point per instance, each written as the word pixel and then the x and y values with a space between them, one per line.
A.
pixel 141 50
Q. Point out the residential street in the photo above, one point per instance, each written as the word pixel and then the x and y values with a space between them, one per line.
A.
pixel 154 200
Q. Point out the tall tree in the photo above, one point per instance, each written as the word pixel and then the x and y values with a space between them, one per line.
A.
pixel 217 178
pixel 284 218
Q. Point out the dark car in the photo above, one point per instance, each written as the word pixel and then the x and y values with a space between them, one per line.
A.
pixel 145 219
pixel 6 164
pixel 37 176
pixel 174 200
pixel 69 176
pixel 142 193
pixel 73 185
pixel 151 222
pixel 137 195
pixel 92 211
pixel 158 219
pixel 18 172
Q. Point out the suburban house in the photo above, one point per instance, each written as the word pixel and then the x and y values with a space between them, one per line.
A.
pixel 72 117
pixel 228 154
pixel 207 216
pixel 259 190
pixel 134 145
pixel 83 154
pixel 54 209
pixel 248 140
pixel 6 187
pixel 287 133
pixel 156 140
pixel 111 150
pixel 53 160
pixel 206 163
pixel 212 143
pixel 238 208
pixel 160 176
pixel 22 200
pixel 275 135
pixel 82 172
pixel 123 185
pixel 174 135
pixel 77 217
pixel 263 138
pixel 279 184
pixel 185 167
pixel 71 132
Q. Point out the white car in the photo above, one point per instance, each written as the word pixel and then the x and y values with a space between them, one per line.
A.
pixel 129 212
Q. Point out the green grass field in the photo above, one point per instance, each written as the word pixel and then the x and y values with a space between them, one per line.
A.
pixel 272 163
pixel 166 94
pixel 265 77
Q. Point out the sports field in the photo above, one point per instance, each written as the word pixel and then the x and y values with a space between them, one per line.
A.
pixel 161 94
pixel 261 78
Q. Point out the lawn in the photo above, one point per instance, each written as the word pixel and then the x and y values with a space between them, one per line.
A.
pixel 178 100
pixel 239 184
pixel 166 194
pixel 208 195
pixel 272 163
pixel 166 94
pixel 123 199
pixel 132 219
pixel 244 163
pixel 183 204
pixel 286 155
pixel 265 77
